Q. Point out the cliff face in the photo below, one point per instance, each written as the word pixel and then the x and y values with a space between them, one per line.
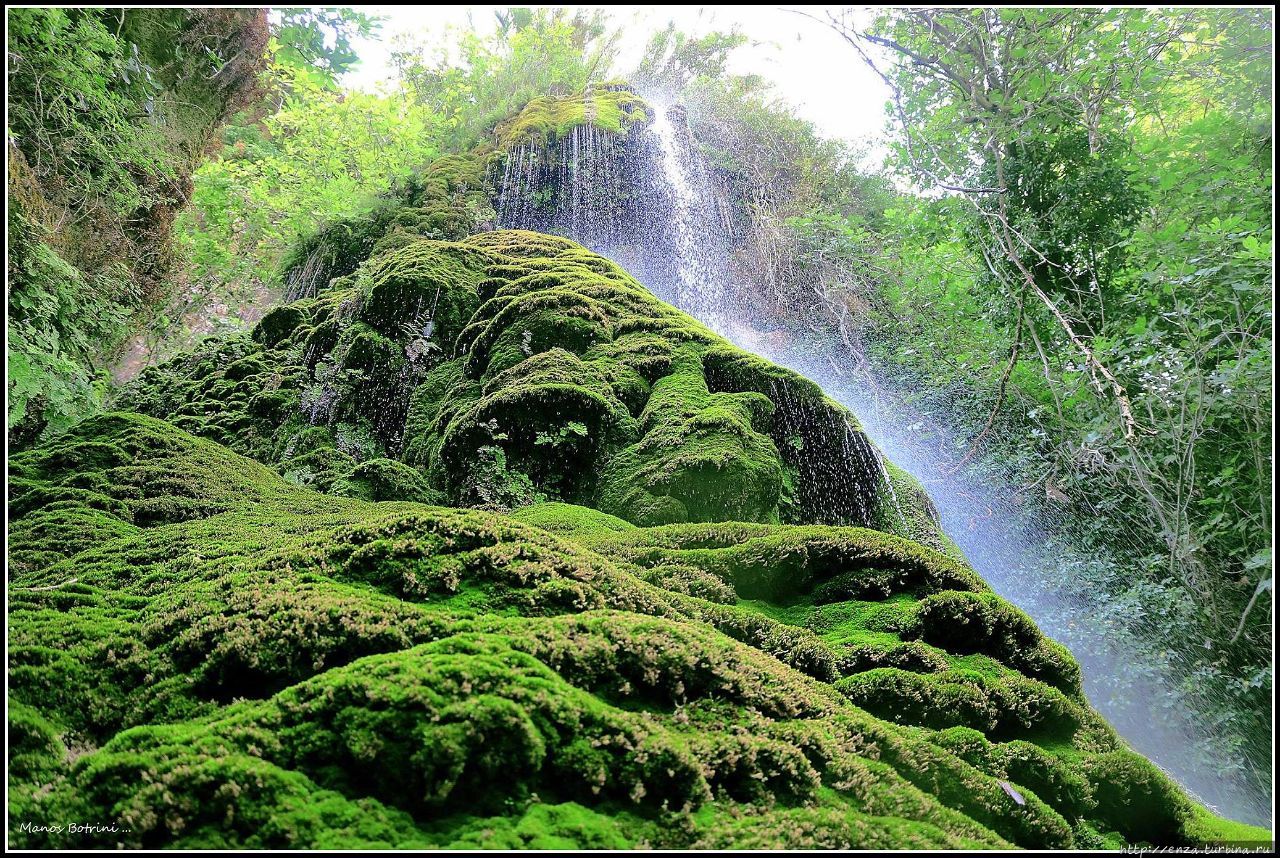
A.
pixel 475 542
pixel 110 112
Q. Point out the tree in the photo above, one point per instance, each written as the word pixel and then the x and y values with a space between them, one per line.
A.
pixel 673 59
pixel 319 41
pixel 1110 172
pixel 486 78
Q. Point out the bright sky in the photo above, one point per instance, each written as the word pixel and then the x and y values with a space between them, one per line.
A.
pixel 813 67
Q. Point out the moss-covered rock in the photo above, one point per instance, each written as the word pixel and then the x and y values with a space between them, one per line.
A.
pixel 610 107
pixel 515 367
pixel 474 542
pixel 269 666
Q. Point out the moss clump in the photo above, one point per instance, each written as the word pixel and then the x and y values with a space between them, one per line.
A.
pixel 113 475
pixel 572 383
pixel 702 457
pixel 335 371
pixel 1135 798
pixel 1004 708
pixel 281 668
pixel 385 479
pixel 609 107
pixel 448 199
pixel 578 522
pixel 983 622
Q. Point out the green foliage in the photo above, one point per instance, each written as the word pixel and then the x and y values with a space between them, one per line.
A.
pixel 1113 343
pixel 673 59
pixel 318 41
pixel 109 111
pixel 75 90
pixel 1075 204
pixel 478 80
pixel 96 98
pixel 57 326
pixel 321 158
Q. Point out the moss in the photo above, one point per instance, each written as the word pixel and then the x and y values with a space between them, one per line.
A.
pixel 839 474
pixel 609 107
pixel 701 458
pixel 278 325
pixel 551 415
pixel 386 480
pixel 982 622
pixel 1029 767
pixel 1004 708
pixel 148 473
pixel 566 333
pixel 288 669
pixel 565 825
pixel 35 745
pixel 782 564
pixel 1206 828
pixel 448 199
pixel 564 519
pixel 1136 799
pixel 691 581
pixel 417 284
pixel 318 468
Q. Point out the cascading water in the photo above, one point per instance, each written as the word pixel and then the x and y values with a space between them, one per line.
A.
pixel 700 272
pixel 1025 562
pixel 576 188
pixel 671 233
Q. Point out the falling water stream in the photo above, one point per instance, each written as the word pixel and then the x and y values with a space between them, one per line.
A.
pixel 1019 556
pixel 1000 539
pixel 700 272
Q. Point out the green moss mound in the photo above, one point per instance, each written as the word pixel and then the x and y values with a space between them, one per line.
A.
pixel 473 542
pixel 266 666
pixel 513 368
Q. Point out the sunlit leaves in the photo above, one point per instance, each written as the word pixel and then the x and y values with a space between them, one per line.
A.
pixel 317 42
pixel 1134 148
pixel 322 156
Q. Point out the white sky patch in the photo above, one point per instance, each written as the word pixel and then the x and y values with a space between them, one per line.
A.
pixel 812 67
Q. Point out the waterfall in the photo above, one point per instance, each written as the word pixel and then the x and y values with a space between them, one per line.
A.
pixel 573 186
pixel 650 205
pixel 1006 545
pixel 701 259
pixel 1023 560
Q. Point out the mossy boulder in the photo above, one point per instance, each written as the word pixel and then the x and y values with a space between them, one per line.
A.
pixel 515 367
